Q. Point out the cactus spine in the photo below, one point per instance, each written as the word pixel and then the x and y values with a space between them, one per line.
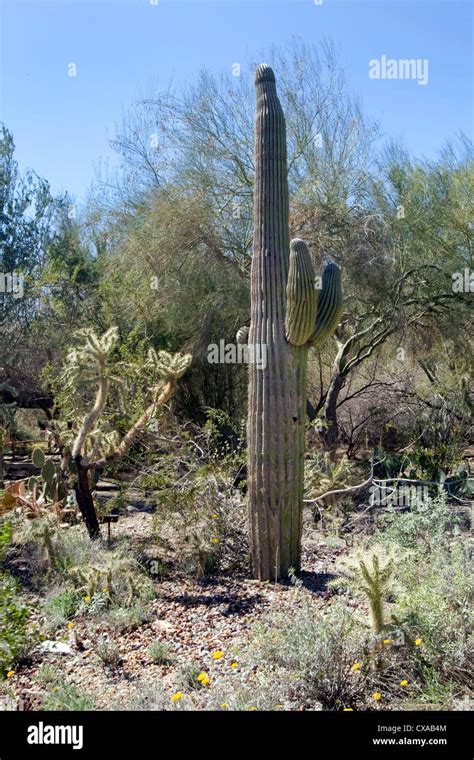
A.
pixel 287 318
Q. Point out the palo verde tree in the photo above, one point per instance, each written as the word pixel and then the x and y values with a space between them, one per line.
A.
pixel 90 381
pixel 287 317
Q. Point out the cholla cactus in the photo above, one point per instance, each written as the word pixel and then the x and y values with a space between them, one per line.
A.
pixel 91 444
pixel 287 317
pixel 370 574
pixel 169 367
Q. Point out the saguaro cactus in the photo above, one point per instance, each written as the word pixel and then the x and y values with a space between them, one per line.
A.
pixel 288 315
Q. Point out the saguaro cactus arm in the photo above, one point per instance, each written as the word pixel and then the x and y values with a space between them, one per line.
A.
pixel 329 305
pixel 300 295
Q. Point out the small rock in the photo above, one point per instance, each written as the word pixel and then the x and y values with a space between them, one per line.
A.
pixel 55 647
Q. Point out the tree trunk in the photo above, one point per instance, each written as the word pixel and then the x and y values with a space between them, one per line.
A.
pixel 330 431
pixel 84 499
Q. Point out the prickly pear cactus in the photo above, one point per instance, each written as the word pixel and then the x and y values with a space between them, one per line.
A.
pixel 287 317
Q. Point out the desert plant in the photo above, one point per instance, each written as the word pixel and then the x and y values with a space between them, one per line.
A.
pixel 287 317
pixel 370 573
pixel 61 606
pixel 317 651
pixel 125 619
pixel 108 652
pixel 14 614
pixel 87 441
pixel 65 696
pixel 159 652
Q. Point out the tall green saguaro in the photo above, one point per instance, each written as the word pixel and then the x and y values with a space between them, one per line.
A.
pixel 287 317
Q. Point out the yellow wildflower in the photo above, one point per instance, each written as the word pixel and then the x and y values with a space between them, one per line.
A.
pixel 70 625
pixel 377 695
pixel 214 540
pixel 224 706
pixel 418 642
pixel 176 697
pixel 404 682
pixel 201 676
pixel 252 708
pixel 234 665
pixel 10 673
pixel 348 709
pixel 214 516
pixel 356 666
pixel 217 655
pixel 386 641
pixel 205 681
pixel 86 599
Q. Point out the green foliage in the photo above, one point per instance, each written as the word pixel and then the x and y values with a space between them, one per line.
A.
pixel 125 619
pixel 15 640
pixel 116 579
pixel 427 523
pixel 434 605
pixel 370 573
pixel 318 651
pixel 108 652
pixel 203 525
pixel 61 606
pixel 187 677
pixel 160 653
pixel 63 696
pixel 5 538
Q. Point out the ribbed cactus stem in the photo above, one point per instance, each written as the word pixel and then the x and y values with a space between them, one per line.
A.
pixel 329 305
pixel 301 296
pixel 271 472
pixel 284 320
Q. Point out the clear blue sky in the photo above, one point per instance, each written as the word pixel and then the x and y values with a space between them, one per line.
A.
pixel 61 124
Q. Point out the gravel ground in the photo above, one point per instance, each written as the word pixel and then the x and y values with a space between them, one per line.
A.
pixel 194 618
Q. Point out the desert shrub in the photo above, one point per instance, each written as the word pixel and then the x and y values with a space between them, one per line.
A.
pixel 319 651
pixel 188 674
pixel 205 524
pixel 265 696
pixel 115 579
pixel 434 607
pixel 5 539
pixel 48 674
pixel 426 523
pixel 61 606
pixel 15 641
pixel 160 653
pixel 125 619
pixel 65 696
pixel 41 550
pixel 223 438
pixel 108 652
